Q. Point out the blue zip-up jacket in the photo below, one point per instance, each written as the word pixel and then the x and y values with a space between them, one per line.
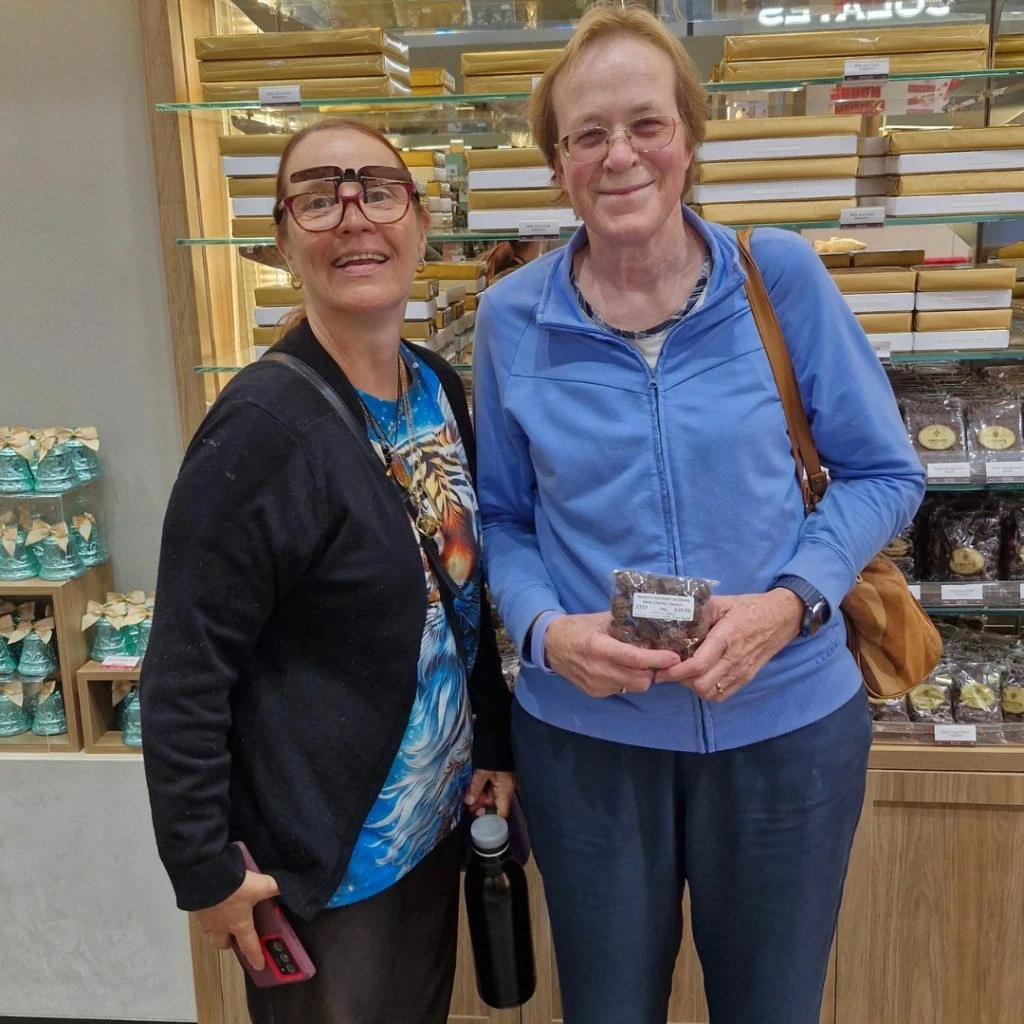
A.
pixel 590 461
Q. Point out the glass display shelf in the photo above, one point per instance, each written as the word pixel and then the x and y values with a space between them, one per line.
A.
pixel 955 610
pixel 1005 355
pixel 960 488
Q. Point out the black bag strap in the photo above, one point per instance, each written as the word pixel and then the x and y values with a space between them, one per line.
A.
pixel 447 587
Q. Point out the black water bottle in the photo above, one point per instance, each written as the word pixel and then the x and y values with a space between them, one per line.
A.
pixel 498 908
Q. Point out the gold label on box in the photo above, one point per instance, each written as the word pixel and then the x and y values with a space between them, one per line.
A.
pixel 976 696
pixel 1013 700
pixel 966 561
pixel 997 439
pixel 937 438
pixel 896 548
pixel 927 696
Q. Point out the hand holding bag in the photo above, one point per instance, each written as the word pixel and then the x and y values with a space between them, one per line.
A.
pixel 891 638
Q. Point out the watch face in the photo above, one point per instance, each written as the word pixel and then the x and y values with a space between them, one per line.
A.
pixel 812 618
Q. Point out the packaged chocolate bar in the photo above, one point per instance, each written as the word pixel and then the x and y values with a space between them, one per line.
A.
pixel 966 544
pixel 994 431
pixel 977 694
pixel 932 700
pixel 1013 690
pixel 935 425
pixel 902 549
pixel 893 709
pixel 657 612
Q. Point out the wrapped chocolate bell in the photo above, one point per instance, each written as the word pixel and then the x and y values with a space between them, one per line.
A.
pixel 16 454
pixel 54 469
pixel 37 659
pixel 109 639
pixel 131 719
pixel 89 540
pixel 13 719
pixel 84 443
pixel 58 551
pixel 49 718
pixel 17 560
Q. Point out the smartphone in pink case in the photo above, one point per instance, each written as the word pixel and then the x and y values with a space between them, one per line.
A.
pixel 287 962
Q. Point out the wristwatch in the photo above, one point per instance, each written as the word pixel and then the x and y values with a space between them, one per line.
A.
pixel 816 610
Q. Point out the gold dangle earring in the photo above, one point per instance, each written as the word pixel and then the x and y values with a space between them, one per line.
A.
pixel 296 282
pixel 421 265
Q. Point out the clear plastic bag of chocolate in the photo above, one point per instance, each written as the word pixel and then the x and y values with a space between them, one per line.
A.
pixel 977 697
pixel 892 709
pixel 1012 695
pixel 902 549
pixel 661 613
pixel 1013 540
pixel 966 544
pixel 994 446
pixel 932 700
pixel 939 435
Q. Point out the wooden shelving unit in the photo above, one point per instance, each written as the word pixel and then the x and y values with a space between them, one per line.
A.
pixel 94 685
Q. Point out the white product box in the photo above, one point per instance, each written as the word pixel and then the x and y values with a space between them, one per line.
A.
pixel 439 204
pixel 249 166
pixel 883 344
pixel 511 177
pixel 253 206
pixel 959 160
pixel 973 202
pixel 980 298
pixel 759 191
pixel 420 309
pixel 445 337
pixel 509 220
pixel 880 302
pixel 472 287
pixel 768 149
pixel 466 322
pixel 957 341
pixel 446 296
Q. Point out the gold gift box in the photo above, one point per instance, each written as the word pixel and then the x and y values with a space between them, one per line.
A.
pixel 423 158
pixel 480 84
pixel 1010 44
pixel 834 260
pixel 437 189
pixel 869 280
pixel 964 320
pixel 857 42
pixel 954 140
pixel 944 279
pixel 508 62
pixel 310 89
pixel 279 295
pixel 1008 60
pixel 787 127
pixel 318 43
pixel 885 323
pixel 253 227
pixel 444 317
pixel 431 90
pixel 251 187
pixel 1013 251
pixel 470 301
pixel 784 212
pixel 464 270
pixel 958 182
pixel 777 170
pixel 420 78
pixel 419 330
pixel 490 159
pixel 834 67
pixel 291 69
pixel 517 199
pixel 265 336
pixel 888 258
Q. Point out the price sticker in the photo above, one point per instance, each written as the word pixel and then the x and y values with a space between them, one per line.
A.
pixel 956 734
pixel 866 69
pixel 280 96
pixel 120 661
pixel 949 470
pixel 862 217
pixel 915 590
pixel 1004 470
pixel 963 592
pixel 539 229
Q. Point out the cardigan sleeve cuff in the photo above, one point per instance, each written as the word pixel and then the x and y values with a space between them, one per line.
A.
pixel 205 885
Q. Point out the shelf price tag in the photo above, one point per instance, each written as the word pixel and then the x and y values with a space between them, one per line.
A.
pixel 538 228
pixel 120 661
pixel 862 217
pixel 962 592
pixel 915 590
pixel 1004 470
pixel 280 96
pixel 947 471
pixel 956 734
pixel 866 69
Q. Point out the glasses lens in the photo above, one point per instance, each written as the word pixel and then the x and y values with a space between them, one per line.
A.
pixel 315 210
pixel 385 201
pixel 647 134
pixel 586 145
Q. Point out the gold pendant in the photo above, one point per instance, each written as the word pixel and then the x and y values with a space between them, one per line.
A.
pixel 427 524
pixel 400 472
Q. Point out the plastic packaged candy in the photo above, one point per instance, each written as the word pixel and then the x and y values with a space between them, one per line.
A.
pixel 49 718
pixel 58 552
pixel 37 659
pixel 16 454
pixel 83 444
pixel 978 692
pixel 932 700
pixel 657 612
pixel 89 540
pixel 54 469
pixel 17 560
pixel 1013 691
pixel 131 718
pixel 892 709
pixel 13 719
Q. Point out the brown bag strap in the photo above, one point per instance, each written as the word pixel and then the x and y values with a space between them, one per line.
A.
pixel 811 477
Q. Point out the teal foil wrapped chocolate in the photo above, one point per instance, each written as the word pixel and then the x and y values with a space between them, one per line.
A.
pixel 8 666
pixel 49 718
pixel 131 719
pixel 15 473
pixel 89 540
pixel 142 640
pixel 37 659
pixel 54 468
pixel 108 641
pixel 84 443
pixel 57 551
pixel 17 560
pixel 13 720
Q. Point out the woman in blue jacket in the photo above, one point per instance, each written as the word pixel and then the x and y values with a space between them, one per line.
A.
pixel 628 418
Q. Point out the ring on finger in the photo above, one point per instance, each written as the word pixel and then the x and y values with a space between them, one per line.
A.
pixel 622 690
pixel 720 689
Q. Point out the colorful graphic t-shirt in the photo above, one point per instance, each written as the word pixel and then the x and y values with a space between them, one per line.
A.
pixel 421 800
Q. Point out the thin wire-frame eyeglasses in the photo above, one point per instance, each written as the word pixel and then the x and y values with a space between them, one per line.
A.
pixel 643 134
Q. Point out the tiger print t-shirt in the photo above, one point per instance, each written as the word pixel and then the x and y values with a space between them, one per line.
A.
pixel 421 800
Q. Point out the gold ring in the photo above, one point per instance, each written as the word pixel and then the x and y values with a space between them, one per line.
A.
pixel 718 687
pixel 623 690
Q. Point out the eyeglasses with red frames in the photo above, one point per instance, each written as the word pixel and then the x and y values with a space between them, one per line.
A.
pixel 383 196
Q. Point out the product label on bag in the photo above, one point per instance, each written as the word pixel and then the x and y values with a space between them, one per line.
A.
pixel 956 734
pixel 1004 470
pixel 664 607
pixel 963 592
pixel 949 470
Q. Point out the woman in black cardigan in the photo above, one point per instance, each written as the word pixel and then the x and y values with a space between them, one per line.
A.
pixel 322 679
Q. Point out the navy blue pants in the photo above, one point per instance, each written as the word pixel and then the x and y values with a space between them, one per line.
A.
pixel 760 834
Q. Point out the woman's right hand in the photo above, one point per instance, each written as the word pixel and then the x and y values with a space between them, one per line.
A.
pixel 233 917
pixel 579 648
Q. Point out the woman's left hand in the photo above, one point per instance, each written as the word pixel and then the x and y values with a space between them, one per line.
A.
pixel 490 789
pixel 746 633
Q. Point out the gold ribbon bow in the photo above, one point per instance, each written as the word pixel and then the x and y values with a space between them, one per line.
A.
pixel 119 690
pixel 45 440
pixel 40 531
pixel 94 611
pixel 11 633
pixel 47 689
pixel 128 609
pixel 9 539
pixel 84 524
pixel 42 629
pixel 18 438
pixel 89 436
pixel 14 692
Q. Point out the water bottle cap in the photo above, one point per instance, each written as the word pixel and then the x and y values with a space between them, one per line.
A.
pixel 489 833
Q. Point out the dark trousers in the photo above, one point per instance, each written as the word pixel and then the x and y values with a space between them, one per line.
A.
pixel 761 835
pixel 386 959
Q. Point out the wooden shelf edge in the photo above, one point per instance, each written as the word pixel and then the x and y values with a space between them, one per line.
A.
pixel 927 758
pixel 93 671
pixel 29 743
pixel 110 743
pixel 32 587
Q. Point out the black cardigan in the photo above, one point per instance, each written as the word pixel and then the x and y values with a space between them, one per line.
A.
pixel 282 664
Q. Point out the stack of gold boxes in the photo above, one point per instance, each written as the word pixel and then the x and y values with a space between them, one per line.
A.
pixel 431 81
pixel 504 71
pixel 961 308
pixel 779 169
pixel 250 163
pixel 508 187
pixel 331 64
pixel 459 286
pixel 1009 51
pixel 956 171
pixel 793 56
pixel 883 300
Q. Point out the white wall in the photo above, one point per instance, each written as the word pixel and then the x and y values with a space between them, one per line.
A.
pixel 84 332
pixel 90 929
